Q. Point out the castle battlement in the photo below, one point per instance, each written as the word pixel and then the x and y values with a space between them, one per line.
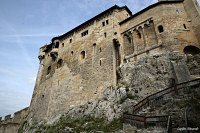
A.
pixel 18 118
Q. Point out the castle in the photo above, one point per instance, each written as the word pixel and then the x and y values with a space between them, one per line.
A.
pixel 77 66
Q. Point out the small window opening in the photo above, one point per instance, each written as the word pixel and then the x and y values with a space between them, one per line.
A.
pixel 63 44
pixel 105 35
pixel 103 23
pixel 129 39
pixel 84 33
pixel 70 40
pixel 48 70
pixel 60 63
pixel 72 52
pixel 184 26
pixel 94 44
pixel 139 36
pixel 100 50
pixel 160 28
pixel 82 56
pixel 42 96
pixel 57 45
pixel 100 62
pixel 107 22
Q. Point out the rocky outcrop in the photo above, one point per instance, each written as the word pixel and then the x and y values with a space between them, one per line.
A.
pixel 111 106
pixel 149 74
pixel 136 80
pixel 193 63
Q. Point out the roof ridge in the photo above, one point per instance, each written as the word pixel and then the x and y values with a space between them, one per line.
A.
pixel 151 6
pixel 92 19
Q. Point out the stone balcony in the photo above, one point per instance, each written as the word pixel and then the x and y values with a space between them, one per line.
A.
pixel 54 53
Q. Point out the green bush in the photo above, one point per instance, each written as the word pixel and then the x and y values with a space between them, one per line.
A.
pixel 83 124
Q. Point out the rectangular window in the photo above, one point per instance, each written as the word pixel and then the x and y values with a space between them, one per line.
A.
pixel 94 48
pixel 107 22
pixel 105 35
pixel 57 45
pixel 84 33
pixel 184 26
pixel 103 23
pixel 70 40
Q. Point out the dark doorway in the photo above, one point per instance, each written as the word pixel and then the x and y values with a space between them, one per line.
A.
pixel 191 50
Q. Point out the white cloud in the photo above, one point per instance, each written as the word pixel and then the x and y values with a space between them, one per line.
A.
pixel 31 80
pixel 7 72
pixel 31 35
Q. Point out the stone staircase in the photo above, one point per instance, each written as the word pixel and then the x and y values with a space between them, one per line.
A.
pixel 160 111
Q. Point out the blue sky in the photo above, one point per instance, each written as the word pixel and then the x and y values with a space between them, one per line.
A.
pixel 25 26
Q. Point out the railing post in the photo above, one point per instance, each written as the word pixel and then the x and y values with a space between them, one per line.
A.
pixel 175 89
pixel 169 125
pixel 145 124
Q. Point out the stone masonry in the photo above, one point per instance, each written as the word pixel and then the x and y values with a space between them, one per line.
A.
pixel 79 65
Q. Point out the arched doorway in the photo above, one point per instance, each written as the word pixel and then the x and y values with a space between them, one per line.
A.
pixel 193 50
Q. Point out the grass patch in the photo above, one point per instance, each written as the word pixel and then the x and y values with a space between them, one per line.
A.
pixel 86 124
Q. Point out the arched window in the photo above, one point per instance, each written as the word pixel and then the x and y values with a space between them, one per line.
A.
pixel 139 35
pixel 60 63
pixel 160 28
pixel 48 70
pixel 191 50
pixel 82 55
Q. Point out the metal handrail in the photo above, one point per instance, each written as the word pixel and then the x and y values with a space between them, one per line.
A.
pixel 149 98
pixel 143 121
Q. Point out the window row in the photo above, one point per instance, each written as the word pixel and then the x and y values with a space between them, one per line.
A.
pixel 104 23
pixel 60 62
pixel 84 33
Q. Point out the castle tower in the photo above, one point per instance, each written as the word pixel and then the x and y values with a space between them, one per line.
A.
pixel 192 9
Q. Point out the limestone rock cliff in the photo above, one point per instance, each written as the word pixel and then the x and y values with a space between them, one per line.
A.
pixel 136 81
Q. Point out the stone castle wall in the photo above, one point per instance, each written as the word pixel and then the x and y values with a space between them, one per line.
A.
pixel 163 28
pixel 86 67
pixel 77 67
pixel 12 124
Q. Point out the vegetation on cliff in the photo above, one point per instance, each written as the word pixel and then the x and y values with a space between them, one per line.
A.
pixel 85 124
